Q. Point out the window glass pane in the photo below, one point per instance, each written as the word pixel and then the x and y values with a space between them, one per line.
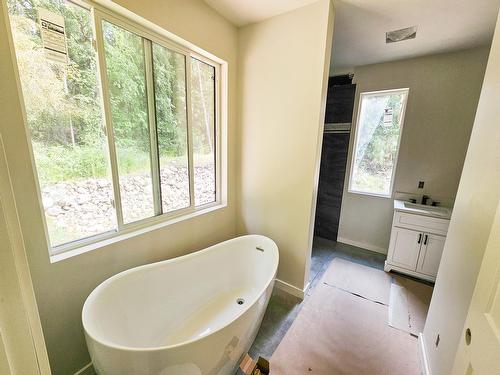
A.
pixel 203 125
pixel 65 120
pixel 169 71
pixel 377 139
pixel 129 111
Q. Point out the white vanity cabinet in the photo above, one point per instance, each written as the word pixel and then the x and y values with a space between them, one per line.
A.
pixel 416 244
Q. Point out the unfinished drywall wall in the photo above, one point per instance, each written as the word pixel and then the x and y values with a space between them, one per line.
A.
pixel 444 91
pixel 473 215
pixel 62 288
pixel 283 76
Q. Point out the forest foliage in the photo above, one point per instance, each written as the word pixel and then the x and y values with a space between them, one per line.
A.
pixel 64 105
pixel 377 143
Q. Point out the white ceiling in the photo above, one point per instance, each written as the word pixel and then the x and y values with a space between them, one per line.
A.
pixel 360 25
pixel 443 25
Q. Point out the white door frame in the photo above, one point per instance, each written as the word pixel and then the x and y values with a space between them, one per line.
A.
pixel 22 346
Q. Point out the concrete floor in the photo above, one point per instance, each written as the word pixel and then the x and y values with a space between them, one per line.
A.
pixel 283 308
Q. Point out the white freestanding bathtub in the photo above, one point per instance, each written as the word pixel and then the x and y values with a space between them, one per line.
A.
pixel 192 315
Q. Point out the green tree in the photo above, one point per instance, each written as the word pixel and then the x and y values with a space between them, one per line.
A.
pixel 379 151
pixel 170 100
pixel 127 87
pixel 62 101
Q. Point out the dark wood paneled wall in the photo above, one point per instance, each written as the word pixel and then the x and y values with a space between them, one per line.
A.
pixel 340 102
pixel 331 184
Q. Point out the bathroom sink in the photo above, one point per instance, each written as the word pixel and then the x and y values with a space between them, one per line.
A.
pixel 429 210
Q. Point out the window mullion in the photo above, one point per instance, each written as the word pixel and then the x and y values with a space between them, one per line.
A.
pixel 108 122
pixel 189 130
pixel 153 134
pixel 217 137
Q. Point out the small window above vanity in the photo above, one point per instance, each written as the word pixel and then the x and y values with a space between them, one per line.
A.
pixel 417 239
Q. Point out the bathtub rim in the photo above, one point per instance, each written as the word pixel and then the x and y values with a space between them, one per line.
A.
pixel 171 260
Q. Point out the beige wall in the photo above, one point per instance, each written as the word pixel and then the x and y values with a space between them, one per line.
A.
pixel 61 288
pixel 444 91
pixel 473 215
pixel 282 85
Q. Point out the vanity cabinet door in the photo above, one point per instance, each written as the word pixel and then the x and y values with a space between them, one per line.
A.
pixel 430 255
pixel 405 247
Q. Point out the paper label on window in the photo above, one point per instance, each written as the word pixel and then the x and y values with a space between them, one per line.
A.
pixel 388 117
pixel 53 36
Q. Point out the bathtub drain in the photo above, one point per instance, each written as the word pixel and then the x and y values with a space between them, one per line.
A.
pixel 240 301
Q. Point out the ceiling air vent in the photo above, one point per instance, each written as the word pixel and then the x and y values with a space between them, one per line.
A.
pixel 401 34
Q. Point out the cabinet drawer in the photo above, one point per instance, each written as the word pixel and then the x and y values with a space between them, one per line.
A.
pixel 421 223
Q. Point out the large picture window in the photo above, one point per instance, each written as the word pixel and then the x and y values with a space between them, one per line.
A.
pixel 123 122
pixel 378 132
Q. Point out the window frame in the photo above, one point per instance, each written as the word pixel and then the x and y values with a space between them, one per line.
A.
pixel 350 189
pixel 151 33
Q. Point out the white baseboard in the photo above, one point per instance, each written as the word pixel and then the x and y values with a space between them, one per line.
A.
pixel 290 289
pixel 362 245
pixel 86 370
pixel 422 354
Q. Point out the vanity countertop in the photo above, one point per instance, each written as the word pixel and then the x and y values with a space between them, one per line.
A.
pixel 420 209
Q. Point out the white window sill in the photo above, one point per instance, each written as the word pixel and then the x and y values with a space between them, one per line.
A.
pixel 118 237
pixel 375 195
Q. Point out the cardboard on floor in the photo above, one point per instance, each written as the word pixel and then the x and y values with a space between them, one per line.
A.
pixel 343 329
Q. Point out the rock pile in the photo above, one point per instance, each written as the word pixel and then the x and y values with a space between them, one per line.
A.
pixel 82 208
